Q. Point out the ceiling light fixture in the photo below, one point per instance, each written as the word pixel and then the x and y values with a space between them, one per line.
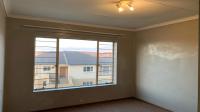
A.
pixel 130 6
pixel 122 3
pixel 120 9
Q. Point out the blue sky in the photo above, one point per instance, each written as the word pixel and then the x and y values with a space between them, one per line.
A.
pixel 49 44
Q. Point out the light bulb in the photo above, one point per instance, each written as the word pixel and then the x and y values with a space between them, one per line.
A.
pixel 131 8
pixel 120 9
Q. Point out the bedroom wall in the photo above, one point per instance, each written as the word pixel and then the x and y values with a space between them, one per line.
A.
pixel 20 62
pixel 167 66
pixel 2 50
pixel 165 59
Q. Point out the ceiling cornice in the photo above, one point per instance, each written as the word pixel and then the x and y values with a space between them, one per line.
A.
pixel 108 27
pixel 169 23
pixel 71 23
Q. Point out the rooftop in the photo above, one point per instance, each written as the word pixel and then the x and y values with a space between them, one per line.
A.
pixel 73 58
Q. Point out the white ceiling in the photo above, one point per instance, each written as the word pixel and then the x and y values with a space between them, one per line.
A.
pixel 104 12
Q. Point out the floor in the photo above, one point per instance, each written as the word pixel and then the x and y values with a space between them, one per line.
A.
pixel 125 105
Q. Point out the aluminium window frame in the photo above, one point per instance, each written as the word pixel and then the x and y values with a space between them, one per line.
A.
pixel 58 37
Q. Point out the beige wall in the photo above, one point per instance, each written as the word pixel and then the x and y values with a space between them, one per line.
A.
pixel 199 70
pixel 19 71
pixel 2 43
pixel 165 59
pixel 167 66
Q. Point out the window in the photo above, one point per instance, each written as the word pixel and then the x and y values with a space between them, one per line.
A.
pixel 88 69
pixel 87 83
pixel 45 56
pixel 64 63
pixel 47 68
pixel 105 69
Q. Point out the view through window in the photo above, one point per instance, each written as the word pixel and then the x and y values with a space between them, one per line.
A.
pixel 62 63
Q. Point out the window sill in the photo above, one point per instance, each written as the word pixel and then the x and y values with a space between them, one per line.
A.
pixel 71 88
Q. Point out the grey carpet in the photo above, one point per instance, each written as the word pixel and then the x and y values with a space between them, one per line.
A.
pixel 125 105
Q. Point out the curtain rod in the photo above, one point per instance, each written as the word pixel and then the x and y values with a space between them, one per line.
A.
pixel 72 30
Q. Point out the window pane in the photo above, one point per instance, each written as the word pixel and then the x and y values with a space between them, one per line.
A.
pixel 45 63
pixel 77 62
pixel 105 63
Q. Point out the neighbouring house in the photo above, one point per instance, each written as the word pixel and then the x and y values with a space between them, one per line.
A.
pixel 76 68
